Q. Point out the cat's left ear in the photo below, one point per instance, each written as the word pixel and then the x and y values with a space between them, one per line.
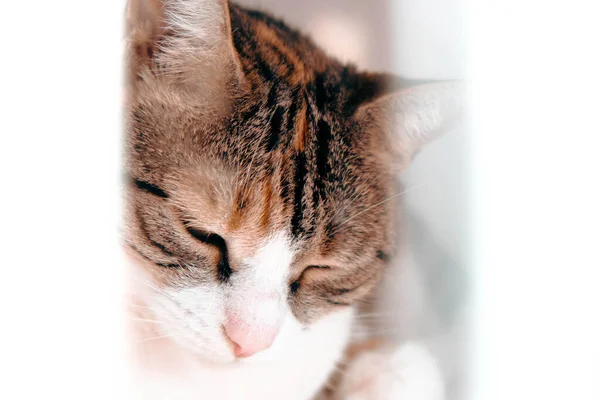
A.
pixel 408 118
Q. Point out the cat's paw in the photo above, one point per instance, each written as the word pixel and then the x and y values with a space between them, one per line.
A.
pixel 408 372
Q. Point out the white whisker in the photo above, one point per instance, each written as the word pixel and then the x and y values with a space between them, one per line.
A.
pixel 156 338
pixel 139 306
pixel 380 203
pixel 154 287
pixel 146 320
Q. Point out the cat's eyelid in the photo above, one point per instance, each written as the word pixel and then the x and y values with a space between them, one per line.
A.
pixel 203 236
pixel 318 267
pixel 207 237
pixel 313 267
pixel 215 240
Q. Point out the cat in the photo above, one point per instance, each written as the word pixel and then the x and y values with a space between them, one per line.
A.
pixel 261 202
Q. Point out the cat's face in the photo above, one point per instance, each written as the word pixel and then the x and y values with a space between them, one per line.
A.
pixel 259 173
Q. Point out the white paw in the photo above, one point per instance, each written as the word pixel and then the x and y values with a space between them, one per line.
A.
pixel 408 372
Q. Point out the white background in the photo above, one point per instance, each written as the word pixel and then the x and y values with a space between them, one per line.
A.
pixel 532 165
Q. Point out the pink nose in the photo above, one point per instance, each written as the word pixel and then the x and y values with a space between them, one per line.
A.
pixel 248 339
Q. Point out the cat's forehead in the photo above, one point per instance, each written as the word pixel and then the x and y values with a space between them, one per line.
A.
pixel 228 200
pixel 249 205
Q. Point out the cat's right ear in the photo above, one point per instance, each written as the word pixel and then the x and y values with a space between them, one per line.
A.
pixel 186 41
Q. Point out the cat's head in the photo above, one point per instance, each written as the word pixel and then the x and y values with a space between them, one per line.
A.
pixel 260 173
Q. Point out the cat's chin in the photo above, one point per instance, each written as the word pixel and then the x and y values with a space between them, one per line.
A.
pixel 263 357
pixel 214 362
pixel 230 361
pixel 199 354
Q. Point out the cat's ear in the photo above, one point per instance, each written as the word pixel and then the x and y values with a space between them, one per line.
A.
pixel 181 40
pixel 408 117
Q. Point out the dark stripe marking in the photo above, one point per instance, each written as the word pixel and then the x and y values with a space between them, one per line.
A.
pixel 275 129
pixel 150 188
pixel 300 180
pixel 146 234
pixel 320 93
pixel 284 187
pixel 272 97
pixel 383 256
pixel 247 47
pixel 145 257
pixel 292 113
pixel 338 303
pixel 323 167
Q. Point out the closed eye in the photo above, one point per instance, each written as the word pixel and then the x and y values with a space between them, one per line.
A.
pixel 295 285
pixel 212 239
pixel 206 237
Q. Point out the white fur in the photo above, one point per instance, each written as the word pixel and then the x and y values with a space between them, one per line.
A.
pixel 199 38
pixel 408 373
pixel 259 288
pixel 196 22
pixel 195 360
pixel 303 362
pixel 269 267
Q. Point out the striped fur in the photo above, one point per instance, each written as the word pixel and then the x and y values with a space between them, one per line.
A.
pixel 238 127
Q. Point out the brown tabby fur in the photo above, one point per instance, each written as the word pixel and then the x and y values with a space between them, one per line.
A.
pixel 251 130
pixel 288 153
